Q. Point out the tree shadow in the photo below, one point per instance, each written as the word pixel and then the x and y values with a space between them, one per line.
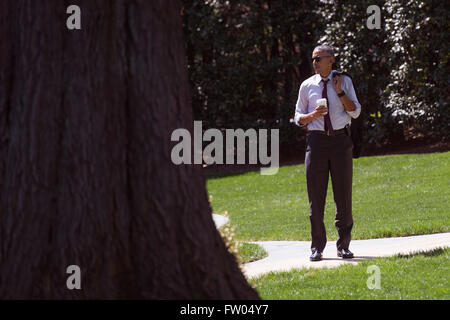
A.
pixel 354 259
pixel 431 253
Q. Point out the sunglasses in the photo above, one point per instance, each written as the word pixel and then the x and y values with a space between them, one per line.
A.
pixel 318 58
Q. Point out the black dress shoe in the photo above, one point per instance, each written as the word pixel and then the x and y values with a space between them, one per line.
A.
pixel 316 256
pixel 345 254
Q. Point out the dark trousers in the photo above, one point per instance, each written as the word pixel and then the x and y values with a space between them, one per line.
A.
pixel 325 155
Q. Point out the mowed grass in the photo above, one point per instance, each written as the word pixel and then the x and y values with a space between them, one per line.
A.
pixel 420 276
pixel 394 195
pixel 251 252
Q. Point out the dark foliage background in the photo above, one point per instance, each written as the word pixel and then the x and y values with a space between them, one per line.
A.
pixel 247 59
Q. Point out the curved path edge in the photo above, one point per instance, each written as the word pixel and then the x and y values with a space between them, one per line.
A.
pixel 288 255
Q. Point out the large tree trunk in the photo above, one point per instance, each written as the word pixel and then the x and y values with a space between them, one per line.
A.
pixel 85 171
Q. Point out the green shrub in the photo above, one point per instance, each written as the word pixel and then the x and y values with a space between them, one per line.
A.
pixel 247 59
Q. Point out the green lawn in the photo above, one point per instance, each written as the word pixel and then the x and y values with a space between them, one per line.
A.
pixel 395 195
pixel 251 252
pixel 422 276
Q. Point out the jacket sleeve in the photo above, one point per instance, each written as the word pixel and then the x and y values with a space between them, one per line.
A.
pixel 351 94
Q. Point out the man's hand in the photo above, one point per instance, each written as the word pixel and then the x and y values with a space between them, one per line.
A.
pixel 337 82
pixel 320 111
pixel 349 105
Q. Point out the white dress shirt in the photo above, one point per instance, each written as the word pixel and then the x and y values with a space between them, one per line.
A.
pixel 311 90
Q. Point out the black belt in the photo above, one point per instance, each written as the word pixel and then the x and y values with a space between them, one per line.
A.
pixel 336 132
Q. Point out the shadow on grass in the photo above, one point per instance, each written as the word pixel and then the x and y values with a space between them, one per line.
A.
pixel 298 157
pixel 431 253
pixel 354 259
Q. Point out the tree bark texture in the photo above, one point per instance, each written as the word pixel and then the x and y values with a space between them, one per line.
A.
pixel 85 171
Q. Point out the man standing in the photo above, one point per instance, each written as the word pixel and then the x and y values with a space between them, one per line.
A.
pixel 328 148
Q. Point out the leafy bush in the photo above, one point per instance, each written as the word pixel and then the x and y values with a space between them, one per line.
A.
pixel 247 59
pixel 417 93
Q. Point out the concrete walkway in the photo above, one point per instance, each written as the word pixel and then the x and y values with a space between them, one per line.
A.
pixel 219 220
pixel 287 255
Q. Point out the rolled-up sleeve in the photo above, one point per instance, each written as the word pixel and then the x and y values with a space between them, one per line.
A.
pixel 351 94
pixel 301 108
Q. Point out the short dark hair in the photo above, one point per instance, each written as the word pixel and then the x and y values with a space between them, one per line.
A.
pixel 326 48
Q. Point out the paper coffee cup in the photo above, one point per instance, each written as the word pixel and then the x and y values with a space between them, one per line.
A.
pixel 322 102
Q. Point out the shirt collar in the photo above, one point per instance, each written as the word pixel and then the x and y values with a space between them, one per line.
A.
pixel 319 77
